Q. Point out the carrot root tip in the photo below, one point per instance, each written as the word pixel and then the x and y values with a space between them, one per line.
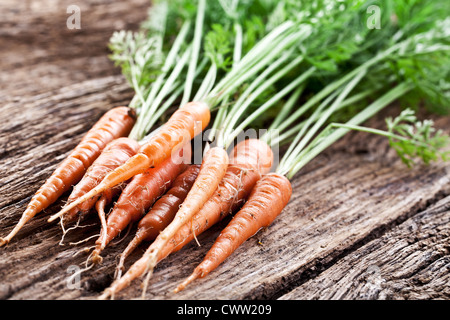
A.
pixel 96 258
pixel 3 242
pixel 118 272
pixel 183 285
pixel 105 295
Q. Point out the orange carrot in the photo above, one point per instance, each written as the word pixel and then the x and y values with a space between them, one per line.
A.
pixel 182 126
pixel 136 198
pixel 105 199
pixel 212 170
pixel 162 212
pixel 115 154
pixel 267 200
pixel 248 161
pixel 113 124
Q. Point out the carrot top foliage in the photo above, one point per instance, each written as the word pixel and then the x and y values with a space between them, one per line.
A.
pixel 182 49
pixel 273 64
pixel 429 53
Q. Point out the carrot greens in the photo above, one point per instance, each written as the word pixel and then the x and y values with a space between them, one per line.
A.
pixel 409 137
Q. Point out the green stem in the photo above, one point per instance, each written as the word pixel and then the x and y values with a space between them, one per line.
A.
pixel 207 83
pixel 223 110
pixel 138 132
pixel 165 90
pixel 257 58
pixel 379 132
pixel 237 52
pixel 326 139
pixel 244 102
pixel 169 62
pixel 220 117
pixel 295 147
pixel 336 84
pixel 317 114
pixel 267 58
pixel 287 108
pixel 136 87
pixel 195 51
pixel 178 88
pixel 287 136
pixel 263 108
pixel 163 108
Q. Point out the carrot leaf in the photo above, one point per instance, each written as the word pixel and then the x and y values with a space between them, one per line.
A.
pixel 412 138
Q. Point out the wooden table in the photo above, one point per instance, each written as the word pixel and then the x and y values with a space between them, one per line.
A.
pixel 360 225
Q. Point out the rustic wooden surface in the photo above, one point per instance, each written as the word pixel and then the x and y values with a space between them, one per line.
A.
pixel 360 225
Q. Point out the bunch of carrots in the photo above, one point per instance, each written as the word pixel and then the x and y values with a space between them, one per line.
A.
pixel 309 73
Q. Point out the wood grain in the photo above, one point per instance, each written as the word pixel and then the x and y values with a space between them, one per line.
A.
pixel 411 261
pixel 360 225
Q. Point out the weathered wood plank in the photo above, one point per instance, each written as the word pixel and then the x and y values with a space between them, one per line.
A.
pixel 411 261
pixel 39 53
pixel 339 200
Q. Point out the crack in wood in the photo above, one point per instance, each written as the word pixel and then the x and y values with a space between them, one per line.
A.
pixel 433 206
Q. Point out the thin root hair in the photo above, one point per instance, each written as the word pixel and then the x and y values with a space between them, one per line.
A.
pixel 84 240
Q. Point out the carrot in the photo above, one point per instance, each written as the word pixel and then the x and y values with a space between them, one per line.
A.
pixel 113 124
pixel 162 212
pixel 248 161
pixel 105 199
pixel 181 127
pixel 165 208
pixel 136 198
pixel 115 154
pixel 267 200
pixel 212 170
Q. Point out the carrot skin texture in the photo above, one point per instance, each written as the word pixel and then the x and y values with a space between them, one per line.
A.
pixel 162 212
pixel 242 173
pixel 115 123
pixel 105 199
pixel 267 200
pixel 182 126
pixel 249 160
pixel 115 153
pixel 212 170
pixel 137 197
